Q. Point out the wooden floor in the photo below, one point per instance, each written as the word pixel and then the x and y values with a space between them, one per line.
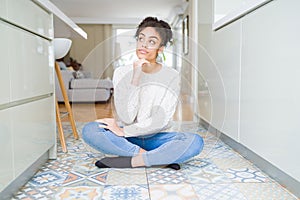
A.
pixel 86 112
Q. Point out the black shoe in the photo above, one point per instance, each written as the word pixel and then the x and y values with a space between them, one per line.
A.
pixel 173 166
pixel 114 162
pixel 101 165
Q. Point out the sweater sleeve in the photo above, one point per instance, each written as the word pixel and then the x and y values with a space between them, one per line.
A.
pixel 161 114
pixel 126 95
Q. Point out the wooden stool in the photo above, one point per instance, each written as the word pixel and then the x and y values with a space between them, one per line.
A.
pixel 69 111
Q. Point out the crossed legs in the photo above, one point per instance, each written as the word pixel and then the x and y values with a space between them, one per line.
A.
pixel 159 149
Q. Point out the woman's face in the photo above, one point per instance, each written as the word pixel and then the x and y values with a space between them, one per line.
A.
pixel 148 44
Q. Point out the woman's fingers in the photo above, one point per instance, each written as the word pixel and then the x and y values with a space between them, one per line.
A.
pixel 105 120
pixel 103 126
pixel 113 127
pixel 143 61
pixel 100 121
pixel 140 62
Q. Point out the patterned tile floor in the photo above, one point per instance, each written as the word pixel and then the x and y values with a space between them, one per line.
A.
pixel 218 173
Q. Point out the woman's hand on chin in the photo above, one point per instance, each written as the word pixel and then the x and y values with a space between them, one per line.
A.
pixel 137 70
pixel 139 63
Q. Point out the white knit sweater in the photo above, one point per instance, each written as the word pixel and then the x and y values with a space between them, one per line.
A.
pixel 149 107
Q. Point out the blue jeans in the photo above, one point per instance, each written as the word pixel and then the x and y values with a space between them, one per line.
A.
pixel 162 148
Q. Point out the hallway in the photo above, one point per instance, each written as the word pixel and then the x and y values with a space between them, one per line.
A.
pixel 239 69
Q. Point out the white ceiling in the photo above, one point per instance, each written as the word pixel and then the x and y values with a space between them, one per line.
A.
pixel 119 11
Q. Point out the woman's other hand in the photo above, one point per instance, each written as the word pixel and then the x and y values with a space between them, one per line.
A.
pixel 110 124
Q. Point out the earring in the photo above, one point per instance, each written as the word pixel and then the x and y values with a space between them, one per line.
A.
pixel 163 56
pixel 159 58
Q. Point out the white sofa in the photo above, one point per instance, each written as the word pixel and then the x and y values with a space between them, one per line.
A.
pixel 84 89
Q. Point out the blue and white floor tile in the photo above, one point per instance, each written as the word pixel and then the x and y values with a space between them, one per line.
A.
pixel 80 192
pixel 218 173
pixel 48 178
pixel 126 192
pixel 246 175
pixel 28 192
pixel 265 191
pixel 126 177
pixel 218 192
pixel 166 176
pixel 172 192
pixel 241 170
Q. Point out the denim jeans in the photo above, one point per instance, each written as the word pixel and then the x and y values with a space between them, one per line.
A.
pixel 162 148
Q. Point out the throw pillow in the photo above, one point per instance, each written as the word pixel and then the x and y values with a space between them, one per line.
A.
pixel 78 75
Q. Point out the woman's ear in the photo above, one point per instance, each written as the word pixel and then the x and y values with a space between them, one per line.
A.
pixel 161 49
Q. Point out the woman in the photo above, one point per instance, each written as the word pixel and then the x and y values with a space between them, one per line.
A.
pixel 145 98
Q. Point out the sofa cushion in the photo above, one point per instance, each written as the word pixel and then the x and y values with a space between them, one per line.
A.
pixel 89 95
pixel 81 74
pixel 91 83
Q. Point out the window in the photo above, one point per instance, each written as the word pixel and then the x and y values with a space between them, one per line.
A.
pixel 124 49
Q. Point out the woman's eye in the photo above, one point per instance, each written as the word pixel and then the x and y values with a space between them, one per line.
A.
pixel 141 39
pixel 152 42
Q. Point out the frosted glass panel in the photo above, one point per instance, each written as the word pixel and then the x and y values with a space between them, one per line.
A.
pixel 227 11
pixel 6 155
pixel 30 16
pixel 224 7
pixel 3 8
pixel 30 68
pixel 33 132
pixel 4 69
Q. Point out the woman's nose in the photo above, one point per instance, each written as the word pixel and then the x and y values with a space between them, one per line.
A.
pixel 144 44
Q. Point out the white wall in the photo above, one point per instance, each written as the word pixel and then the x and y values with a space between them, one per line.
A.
pixel 252 69
pixel 270 86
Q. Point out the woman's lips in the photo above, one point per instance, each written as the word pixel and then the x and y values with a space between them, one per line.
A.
pixel 142 51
